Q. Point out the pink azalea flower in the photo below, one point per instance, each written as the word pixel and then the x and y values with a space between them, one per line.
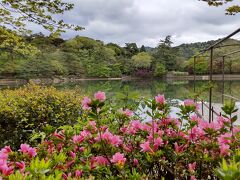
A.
pixel 26 149
pixel 32 152
pixel 196 133
pixel 195 118
pixel 115 140
pixel 85 134
pixel 190 102
pixel 3 156
pixel 110 138
pixel 128 112
pixel 179 149
pixel 7 170
pixel 59 146
pixel 59 135
pixel 72 154
pixel 224 150
pixel 146 147
pixel 86 102
pixel 158 142
pixel 192 167
pixel 135 162
pixel 78 174
pixel 222 121
pixel 93 124
pixel 193 178
pixel 77 139
pixel 160 99
pixel 102 161
pixel 224 139
pixel 21 165
pixel 100 96
pixel 6 150
pixel 136 124
pixel 118 159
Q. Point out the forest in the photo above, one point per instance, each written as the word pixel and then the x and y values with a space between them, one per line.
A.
pixel 38 55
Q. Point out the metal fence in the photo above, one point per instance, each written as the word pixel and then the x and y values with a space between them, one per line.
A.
pixel 211 59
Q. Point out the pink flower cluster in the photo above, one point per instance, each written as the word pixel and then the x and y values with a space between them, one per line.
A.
pixel 130 145
pixel 190 102
pixel 26 149
pixel 160 99
pixel 6 167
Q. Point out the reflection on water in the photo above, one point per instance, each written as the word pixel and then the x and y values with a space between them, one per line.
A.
pixel 149 88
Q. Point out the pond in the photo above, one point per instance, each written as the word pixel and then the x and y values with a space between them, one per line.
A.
pixel 150 87
pixel 176 91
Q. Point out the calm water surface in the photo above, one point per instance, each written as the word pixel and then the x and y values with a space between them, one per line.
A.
pixel 149 88
pixel 173 90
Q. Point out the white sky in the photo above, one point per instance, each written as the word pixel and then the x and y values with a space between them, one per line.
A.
pixel 148 21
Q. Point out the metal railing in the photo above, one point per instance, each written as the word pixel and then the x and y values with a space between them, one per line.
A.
pixel 211 49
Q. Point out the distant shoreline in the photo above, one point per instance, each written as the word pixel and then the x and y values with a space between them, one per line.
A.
pixel 4 81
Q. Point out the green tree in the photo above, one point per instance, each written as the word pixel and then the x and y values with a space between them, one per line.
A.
pixel 142 60
pixel 165 54
pixel 159 70
pixel 201 66
pixel 232 9
pixel 142 49
pixel 119 51
pixel 13 44
pixel 17 13
pixel 131 49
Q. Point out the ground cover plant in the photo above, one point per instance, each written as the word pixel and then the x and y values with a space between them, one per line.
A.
pixel 110 143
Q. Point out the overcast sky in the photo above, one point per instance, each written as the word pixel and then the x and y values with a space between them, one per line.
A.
pixel 147 21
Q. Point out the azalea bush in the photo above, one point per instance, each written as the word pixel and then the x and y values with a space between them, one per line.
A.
pixel 110 143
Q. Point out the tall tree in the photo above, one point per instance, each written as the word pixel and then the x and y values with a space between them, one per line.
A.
pixel 131 49
pixel 165 54
pixel 142 49
pixel 230 10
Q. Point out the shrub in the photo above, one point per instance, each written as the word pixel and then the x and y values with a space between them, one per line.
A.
pixel 160 70
pixel 30 108
pixel 230 170
pixel 112 144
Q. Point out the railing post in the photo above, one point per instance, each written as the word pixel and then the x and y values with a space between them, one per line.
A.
pixel 223 78
pixel 212 113
pixel 194 73
pixel 202 109
pixel 210 90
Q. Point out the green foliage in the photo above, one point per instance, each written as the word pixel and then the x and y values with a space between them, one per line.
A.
pixel 230 10
pixel 31 108
pixel 159 70
pixel 165 54
pixel 201 66
pixel 131 49
pixel 230 170
pixel 14 44
pixel 18 13
pixel 142 60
